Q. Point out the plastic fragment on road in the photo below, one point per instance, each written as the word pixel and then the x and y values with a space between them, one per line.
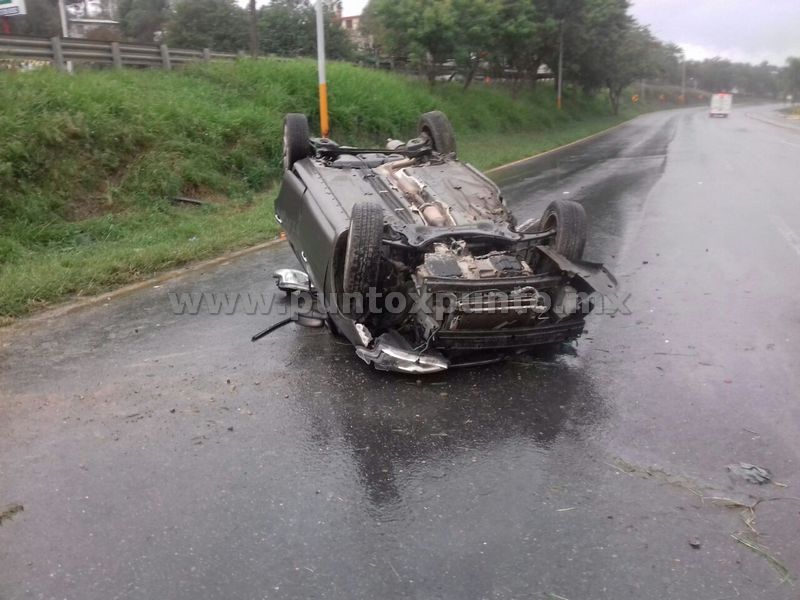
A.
pixel 750 473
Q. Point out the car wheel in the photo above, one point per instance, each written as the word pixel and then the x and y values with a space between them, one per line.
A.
pixel 363 255
pixel 568 218
pixel 437 128
pixel 295 139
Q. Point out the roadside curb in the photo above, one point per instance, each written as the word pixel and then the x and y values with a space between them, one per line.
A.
pixel 769 121
pixel 558 148
pixel 70 307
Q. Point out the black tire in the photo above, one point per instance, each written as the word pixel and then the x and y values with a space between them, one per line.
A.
pixel 362 260
pixel 296 135
pixel 437 128
pixel 568 218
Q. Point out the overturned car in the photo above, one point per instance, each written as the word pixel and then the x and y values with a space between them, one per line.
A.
pixel 413 256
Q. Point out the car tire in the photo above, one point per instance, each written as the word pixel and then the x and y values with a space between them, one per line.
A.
pixel 568 218
pixel 437 128
pixel 362 260
pixel 296 135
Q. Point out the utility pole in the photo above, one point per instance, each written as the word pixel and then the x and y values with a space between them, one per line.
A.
pixel 253 29
pixel 560 63
pixel 62 12
pixel 683 80
pixel 323 85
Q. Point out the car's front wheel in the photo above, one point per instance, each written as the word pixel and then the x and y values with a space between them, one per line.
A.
pixel 296 135
pixel 362 261
pixel 568 219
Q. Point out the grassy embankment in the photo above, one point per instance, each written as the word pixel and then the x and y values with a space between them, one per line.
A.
pixel 89 163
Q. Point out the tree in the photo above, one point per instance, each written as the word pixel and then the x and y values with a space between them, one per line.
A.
pixel 612 50
pixel 594 36
pixel 669 59
pixel 42 19
pixel 630 60
pixel 760 80
pixel 713 74
pixel 422 30
pixel 563 23
pixel 792 77
pixel 288 28
pixel 475 36
pixel 141 19
pixel 218 24
pixel 519 40
pixel 252 17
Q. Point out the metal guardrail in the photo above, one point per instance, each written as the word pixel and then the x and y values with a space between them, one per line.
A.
pixel 59 51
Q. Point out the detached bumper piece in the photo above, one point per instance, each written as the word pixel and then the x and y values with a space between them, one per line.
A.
pixel 391 352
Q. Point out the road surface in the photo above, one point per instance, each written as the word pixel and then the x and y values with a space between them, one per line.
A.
pixel 163 455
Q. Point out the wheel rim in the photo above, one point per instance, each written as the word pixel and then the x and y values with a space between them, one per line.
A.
pixel 426 134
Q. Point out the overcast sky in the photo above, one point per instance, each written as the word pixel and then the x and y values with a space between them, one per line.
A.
pixel 741 30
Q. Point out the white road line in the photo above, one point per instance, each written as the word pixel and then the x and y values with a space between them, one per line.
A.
pixel 787 232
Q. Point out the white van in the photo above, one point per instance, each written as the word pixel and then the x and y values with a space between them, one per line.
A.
pixel 720 105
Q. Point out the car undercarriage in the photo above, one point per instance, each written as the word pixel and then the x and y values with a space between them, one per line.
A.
pixel 413 256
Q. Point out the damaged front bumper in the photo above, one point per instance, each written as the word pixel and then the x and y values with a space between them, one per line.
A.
pixel 391 352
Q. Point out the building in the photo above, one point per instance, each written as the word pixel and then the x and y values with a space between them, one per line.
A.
pixel 352 25
pixel 95 19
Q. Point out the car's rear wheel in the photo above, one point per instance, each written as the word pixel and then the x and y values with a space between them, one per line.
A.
pixel 363 254
pixel 437 128
pixel 296 134
pixel 568 219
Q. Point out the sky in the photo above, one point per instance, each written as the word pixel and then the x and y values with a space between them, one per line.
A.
pixel 740 30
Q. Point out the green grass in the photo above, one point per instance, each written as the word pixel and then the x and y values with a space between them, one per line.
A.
pixel 88 163
pixel 492 150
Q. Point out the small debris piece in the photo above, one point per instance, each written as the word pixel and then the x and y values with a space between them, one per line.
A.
pixel 9 512
pixel 750 473
pixel 695 543
pixel 184 200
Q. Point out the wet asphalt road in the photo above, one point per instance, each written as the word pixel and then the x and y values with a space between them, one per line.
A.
pixel 160 455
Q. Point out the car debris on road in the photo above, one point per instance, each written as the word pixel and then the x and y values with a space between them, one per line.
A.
pixel 750 473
